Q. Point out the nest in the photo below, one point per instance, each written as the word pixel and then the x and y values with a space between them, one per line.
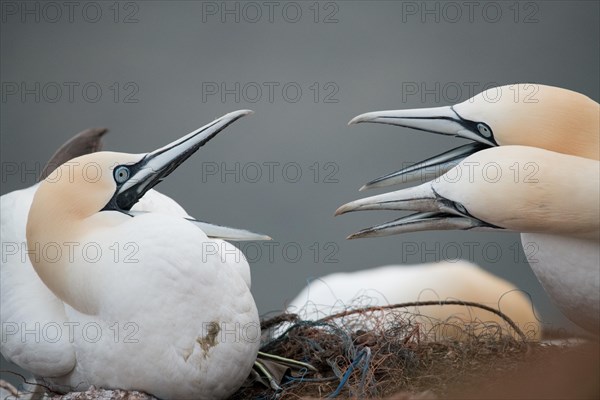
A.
pixel 378 352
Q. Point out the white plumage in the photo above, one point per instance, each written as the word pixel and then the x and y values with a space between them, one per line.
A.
pixel 396 284
pixel 156 305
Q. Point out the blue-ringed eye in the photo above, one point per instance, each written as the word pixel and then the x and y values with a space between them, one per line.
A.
pixel 484 130
pixel 121 174
pixel 460 208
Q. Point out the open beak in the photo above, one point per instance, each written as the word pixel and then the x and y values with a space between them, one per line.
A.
pixel 434 212
pixel 428 221
pixel 158 164
pixel 430 168
pixel 440 120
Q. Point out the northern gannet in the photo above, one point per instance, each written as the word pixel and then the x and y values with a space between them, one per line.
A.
pixel 25 299
pixel 194 320
pixel 556 209
pixel 394 284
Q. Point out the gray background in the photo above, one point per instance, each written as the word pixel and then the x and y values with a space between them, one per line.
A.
pixel 370 52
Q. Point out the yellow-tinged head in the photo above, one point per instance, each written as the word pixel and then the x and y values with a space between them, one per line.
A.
pixel 518 188
pixel 540 116
pixel 80 187
pixel 534 115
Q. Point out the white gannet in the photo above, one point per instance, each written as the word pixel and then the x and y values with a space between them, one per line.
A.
pixel 556 209
pixel 534 115
pixel 176 296
pixel 25 299
pixel 394 284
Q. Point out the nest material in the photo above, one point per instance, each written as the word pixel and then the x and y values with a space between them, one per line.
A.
pixel 379 352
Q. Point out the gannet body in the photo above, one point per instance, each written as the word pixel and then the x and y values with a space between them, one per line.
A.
pixel 559 215
pixel 194 335
pixel 172 306
pixel 27 301
pixel 567 268
pixel 396 284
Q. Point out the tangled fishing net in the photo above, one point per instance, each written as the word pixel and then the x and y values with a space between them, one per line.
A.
pixel 374 352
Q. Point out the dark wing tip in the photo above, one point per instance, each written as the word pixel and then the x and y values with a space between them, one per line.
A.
pixel 85 142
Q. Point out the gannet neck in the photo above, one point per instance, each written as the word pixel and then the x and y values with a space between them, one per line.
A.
pixel 64 212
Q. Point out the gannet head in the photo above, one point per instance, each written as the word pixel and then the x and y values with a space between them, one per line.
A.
pixel 97 190
pixel 533 115
pixel 110 181
pixel 516 188
pixel 84 186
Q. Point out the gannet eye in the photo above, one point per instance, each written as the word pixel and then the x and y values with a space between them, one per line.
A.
pixel 121 174
pixel 484 130
pixel 460 208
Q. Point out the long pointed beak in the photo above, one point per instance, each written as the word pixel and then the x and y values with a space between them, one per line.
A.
pixel 434 212
pixel 157 165
pixel 417 198
pixel 431 221
pixel 428 169
pixel 441 120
